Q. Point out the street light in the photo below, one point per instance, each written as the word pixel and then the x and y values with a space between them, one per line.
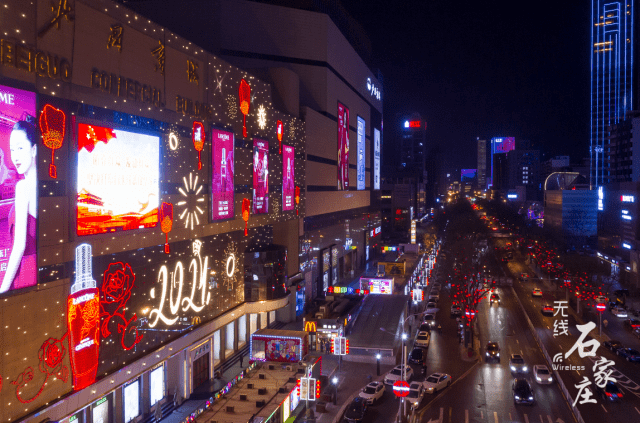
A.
pixel 335 383
pixel 378 363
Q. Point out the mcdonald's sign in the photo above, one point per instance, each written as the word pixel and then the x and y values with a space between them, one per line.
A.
pixel 310 326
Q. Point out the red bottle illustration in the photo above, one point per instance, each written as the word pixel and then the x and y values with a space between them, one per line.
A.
pixel 83 320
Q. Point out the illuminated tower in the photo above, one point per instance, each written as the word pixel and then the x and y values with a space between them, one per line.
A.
pixel 612 39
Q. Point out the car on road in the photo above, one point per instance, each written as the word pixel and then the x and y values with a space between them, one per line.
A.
pixel 610 392
pixel 422 340
pixel 636 333
pixel 424 327
pixel 630 354
pixel 612 345
pixel 601 299
pixel 517 364
pixel 373 392
pixel 434 297
pixel 459 323
pixel 537 292
pixel 429 318
pixel 418 355
pixel 619 311
pixel 492 351
pixel 431 304
pixel 523 277
pixel 416 393
pixel 356 411
pixel 436 382
pixel 456 310
pixel 547 309
pixel 495 297
pixel 522 392
pixel 632 324
pixel 395 374
pixel 542 374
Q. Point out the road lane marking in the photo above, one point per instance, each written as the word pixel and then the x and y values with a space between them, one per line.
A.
pixel 510 418
pixel 541 421
pixel 466 416
pixel 495 416
pixel 526 419
pixel 605 410
pixel 637 410
pixel 481 414
pixel 550 419
pixel 441 414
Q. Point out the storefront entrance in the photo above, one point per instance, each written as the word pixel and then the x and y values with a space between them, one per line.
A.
pixel 201 370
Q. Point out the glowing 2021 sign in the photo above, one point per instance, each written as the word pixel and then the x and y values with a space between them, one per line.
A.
pixel 199 268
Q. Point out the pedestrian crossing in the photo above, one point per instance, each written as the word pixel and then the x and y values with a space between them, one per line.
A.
pixel 447 415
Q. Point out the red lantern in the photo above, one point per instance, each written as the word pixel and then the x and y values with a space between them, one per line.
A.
pixel 198 137
pixel 297 197
pixel 279 133
pixel 246 208
pixel 52 127
pixel 166 223
pixel 244 92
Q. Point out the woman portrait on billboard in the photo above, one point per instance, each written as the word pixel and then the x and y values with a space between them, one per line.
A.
pixel 21 267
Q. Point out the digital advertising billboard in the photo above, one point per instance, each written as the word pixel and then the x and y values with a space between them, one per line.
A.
pixel 19 194
pixel 376 159
pixel 288 177
pixel 222 168
pixel 118 185
pixel 503 145
pixel 468 175
pixel 260 203
pixel 361 154
pixel 343 147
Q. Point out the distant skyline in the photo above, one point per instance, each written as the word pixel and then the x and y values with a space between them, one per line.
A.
pixel 484 69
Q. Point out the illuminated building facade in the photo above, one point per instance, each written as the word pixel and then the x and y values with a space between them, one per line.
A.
pixel 613 36
pixel 148 156
pixel 499 145
pixel 482 164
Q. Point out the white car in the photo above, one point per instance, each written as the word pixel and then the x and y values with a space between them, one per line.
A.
pixel 436 382
pixel 542 374
pixel 429 318
pixel 434 298
pixel 395 375
pixel 416 393
pixel 619 311
pixel 601 299
pixel 422 340
pixel 373 392
pixel 537 292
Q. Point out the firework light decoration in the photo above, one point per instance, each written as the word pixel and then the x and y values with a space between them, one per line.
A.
pixel 262 117
pixel 191 205
pixel 229 267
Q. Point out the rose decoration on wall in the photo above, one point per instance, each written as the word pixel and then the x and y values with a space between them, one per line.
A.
pixel 117 284
pixel 279 131
pixel 246 208
pixel 244 94
pixel 198 137
pixel 166 223
pixel 52 127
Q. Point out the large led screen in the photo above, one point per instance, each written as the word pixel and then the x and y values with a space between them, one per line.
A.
pixel 503 145
pixel 118 184
pixel 468 175
pixel 260 202
pixel 343 147
pixel 19 194
pixel 288 177
pixel 361 156
pixel 222 167
pixel 131 396
pixel 376 159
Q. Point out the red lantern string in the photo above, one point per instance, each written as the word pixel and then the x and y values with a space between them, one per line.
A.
pixel 279 133
pixel 246 207
pixel 198 137
pixel 244 92
pixel 52 127
pixel 166 223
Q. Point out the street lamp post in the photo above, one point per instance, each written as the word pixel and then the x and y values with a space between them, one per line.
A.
pixel 402 407
pixel 335 384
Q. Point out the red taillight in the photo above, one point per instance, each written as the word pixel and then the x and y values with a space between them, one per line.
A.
pixel 619 395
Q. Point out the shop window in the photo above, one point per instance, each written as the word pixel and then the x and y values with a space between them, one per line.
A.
pixel 156 385
pixel 216 345
pixel 253 323
pixel 230 337
pixel 263 319
pixel 131 400
pixel 242 330
pixel 272 316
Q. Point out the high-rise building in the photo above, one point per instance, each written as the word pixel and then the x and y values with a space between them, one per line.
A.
pixel 612 84
pixel 482 164
pixel 524 170
pixel 499 145
pixel 413 141
pixel 623 150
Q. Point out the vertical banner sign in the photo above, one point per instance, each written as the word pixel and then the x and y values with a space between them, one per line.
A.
pixel 18 172
pixel 288 177
pixel 413 231
pixel 376 159
pixel 260 203
pixel 222 182
pixel 343 147
pixel 361 156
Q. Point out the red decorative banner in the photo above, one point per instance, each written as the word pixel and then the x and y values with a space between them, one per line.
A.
pixel 244 93
pixel 279 134
pixel 246 208
pixel 166 223
pixel 198 137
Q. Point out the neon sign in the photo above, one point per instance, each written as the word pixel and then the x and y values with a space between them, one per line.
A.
pixel 627 198
pixel 373 90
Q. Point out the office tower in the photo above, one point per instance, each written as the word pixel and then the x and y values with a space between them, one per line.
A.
pixel 482 164
pixel 499 145
pixel 413 142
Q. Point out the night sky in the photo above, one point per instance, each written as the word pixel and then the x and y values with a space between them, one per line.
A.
pixel 484 68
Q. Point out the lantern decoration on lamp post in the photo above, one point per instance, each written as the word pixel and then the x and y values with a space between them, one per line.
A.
pixel 246 208
pixel 297 197
pixel 244 92
pixel 166 223
pixel 52 127
pixel 198 137
pixel 279 133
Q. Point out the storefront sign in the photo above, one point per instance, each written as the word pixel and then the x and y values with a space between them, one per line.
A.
pixel 126 88
pixel 31 60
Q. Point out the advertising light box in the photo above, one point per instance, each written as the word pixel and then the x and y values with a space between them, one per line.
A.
pixel 361 154
pixel 343 147
pixel 18 174
pixel 377 285
pixel 260 203
pixel 288 177
pixel 376 159
pixel 222 172
pixel 118 180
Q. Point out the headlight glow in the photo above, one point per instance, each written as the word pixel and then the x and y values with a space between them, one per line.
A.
pixel 513 368
pixel 524 368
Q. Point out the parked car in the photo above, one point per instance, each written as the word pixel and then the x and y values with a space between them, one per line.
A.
pixel 492 351
pixel 424 327
pixel 522 392
pixel 422 340
pixel 456 310
pixel 434 298
pixel 547 309
pixel 619 311
pixel 517 364
pixel 429 318
pixel 431 304
pixel 537 292
pixel 373 392
pixel 395 374
pixel 416 392
pixel 630 354
pixel 436 382
pixel 632 324
pixel 612 345
pixel 418 355
pixel 542 374
pixel 356 410
pixel 610 392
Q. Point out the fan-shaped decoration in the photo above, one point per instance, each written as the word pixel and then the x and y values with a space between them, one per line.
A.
pixel 52 127
pixel 244 93
pixel 246 208
pixel 279 133
pixel 198 137
pixel 166 223
pixel 297 197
